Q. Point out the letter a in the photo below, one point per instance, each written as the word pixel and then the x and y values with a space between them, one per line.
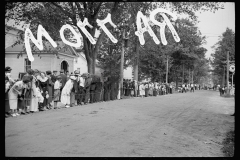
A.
pixel 28 35
pixel 163 25
pixel 147 28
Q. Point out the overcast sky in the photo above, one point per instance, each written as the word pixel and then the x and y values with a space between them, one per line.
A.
pixel 213 25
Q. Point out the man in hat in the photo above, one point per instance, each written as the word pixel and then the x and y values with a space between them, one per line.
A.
pixel 74 90
pixel 66 91
pixel 87 85
pixel 8 74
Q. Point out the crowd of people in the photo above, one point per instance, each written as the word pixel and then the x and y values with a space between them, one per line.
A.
pixel 188 87
pixel 40 91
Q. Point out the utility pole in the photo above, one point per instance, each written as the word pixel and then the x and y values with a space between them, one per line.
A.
pixel 227 73
pixel 167 70
pixel 121 66
pixel 183 75
pixel 192 77
pixel 223 81
pixel 189 76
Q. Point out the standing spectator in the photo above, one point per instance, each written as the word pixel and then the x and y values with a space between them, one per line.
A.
pixel 64 79
pixel 50 89
pixel 106 89
pixel 171 88
pixel 43 86
pixel 150 89
pixel 77 94
pixel 132 86
pixel 183 88
pixel 87 88
pixel 14 92
pixel 192 87
pixel 65 95
pixel 81 90
pixel 146 89
pixel 74 91
pixel 98 90
pixel 7 88
pixel 142 90
pixel 57 86
pixel 34 94
pixel 92 89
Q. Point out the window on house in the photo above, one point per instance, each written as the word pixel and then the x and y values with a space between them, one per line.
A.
pixel 27 64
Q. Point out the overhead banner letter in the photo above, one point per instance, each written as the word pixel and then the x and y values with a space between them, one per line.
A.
pixel 102 23
pixel 78 44
pixel 82 25
pixel 164 23
pixel 38 42
pixel 147 28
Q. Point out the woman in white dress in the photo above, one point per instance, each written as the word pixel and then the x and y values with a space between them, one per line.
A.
pixel 65 95
pixel 34 98
pixel 142 90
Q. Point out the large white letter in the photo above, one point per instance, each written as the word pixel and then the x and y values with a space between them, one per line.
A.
pixel 147 28
pixel 28 35
pixel 163 25
pixel 102 23
pixel 82 25
pixel 78 44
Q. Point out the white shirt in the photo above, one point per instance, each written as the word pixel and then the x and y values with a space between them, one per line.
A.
pixel 82 81
pixel 57 85
pixel 191 85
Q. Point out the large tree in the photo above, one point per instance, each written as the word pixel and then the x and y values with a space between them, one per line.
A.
pixel 52 15
pixel 226 43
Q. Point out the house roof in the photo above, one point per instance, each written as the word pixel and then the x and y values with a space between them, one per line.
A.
pixel 48 48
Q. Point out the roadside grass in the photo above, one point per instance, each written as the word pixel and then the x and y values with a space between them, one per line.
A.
pixel 228 144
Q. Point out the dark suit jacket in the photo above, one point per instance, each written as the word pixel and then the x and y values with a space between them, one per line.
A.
pixel 64 79
pixel 75 86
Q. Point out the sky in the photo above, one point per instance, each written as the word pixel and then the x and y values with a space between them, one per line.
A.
pixel 213 25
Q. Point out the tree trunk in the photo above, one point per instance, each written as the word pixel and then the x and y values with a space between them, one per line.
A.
pixel 223 81
pixel 183 75
pixel 136 62
pixel 90 66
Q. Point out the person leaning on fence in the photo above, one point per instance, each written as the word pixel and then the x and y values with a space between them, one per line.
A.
pixel 15 91
pixel 57 93
pixel 43 86
pixel 65 95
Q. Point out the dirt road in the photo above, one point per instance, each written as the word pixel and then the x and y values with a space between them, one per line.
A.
pixel 177 125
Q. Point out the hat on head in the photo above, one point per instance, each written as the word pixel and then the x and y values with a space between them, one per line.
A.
pixel 8 69
pixel 77 72
pixel 30 71
pixel 55 71
pixel 48 72
pixel 27 79
pixel 62 71
pixel 59 77
pixel 72 77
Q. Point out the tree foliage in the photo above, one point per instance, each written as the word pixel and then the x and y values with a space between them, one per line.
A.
pixel 226 43
pixel 52 15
